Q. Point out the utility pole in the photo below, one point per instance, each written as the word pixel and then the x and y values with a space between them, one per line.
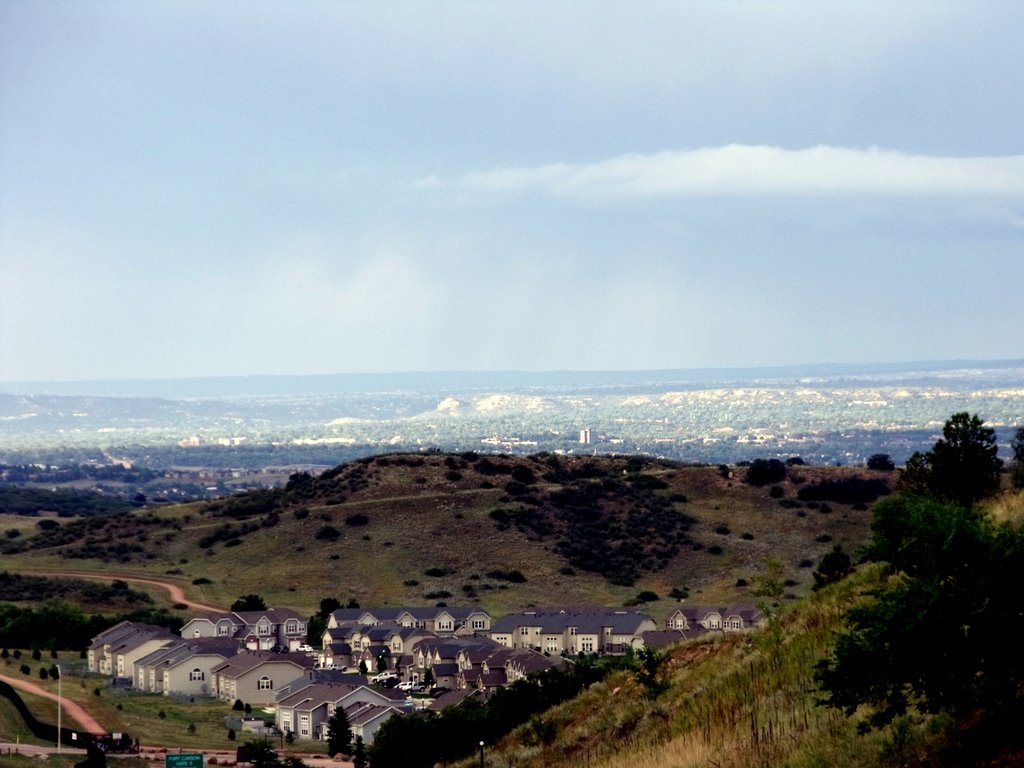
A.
pixel 60 677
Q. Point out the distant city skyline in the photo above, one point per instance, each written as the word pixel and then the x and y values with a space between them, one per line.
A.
pixel 230 189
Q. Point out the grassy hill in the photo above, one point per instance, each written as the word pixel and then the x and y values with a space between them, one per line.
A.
pixel 502 531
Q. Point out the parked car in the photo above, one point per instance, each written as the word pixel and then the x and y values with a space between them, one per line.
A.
pixel 383 677
pixel 408 685
pixel 435 692
pixel 305 648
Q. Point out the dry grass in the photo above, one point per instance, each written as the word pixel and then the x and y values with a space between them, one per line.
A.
pixel 739 700
pixel 419 518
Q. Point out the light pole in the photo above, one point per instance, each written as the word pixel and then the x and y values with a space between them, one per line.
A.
pixel 60 676
pixel 481 754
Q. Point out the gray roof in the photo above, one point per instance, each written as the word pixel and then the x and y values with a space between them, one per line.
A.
pixel 554 621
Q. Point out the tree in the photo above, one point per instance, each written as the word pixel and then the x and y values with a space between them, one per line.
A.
pixel 359 755
pixel 765 471
pixel 962 466
pixel 339 733
pixel 927 638
pixel 834 566
pixel 1017 446
pixel 964 462
pixel 261 753
pixel 881 461
pixel 651 671
pixel 249 603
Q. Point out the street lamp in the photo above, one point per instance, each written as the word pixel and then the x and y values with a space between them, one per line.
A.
pixel 481 754
pixel 60 676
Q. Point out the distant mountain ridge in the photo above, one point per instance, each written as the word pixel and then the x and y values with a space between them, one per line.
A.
pixel 446 381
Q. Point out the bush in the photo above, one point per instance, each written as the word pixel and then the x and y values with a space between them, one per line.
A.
pixel 765 471
pixel 356 521
pixel 849 490
pixel 880 461
pixel 328 533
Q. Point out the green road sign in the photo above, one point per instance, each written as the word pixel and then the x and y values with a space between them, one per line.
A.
pixel 183 761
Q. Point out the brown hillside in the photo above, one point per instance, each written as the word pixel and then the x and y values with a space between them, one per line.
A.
pixel 500 530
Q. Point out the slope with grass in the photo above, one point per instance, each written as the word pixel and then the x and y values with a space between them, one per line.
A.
pixel 426 528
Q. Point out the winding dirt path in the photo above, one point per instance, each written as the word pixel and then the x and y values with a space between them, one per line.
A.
pixel 173 589
pixel 69 707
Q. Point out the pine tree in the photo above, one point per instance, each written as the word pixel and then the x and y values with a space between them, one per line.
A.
pixel 339 733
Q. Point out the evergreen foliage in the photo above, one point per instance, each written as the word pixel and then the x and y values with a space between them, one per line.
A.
pixel 339 733
pixel 945 633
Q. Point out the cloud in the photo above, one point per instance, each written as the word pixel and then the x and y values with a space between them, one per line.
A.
pixel 738 169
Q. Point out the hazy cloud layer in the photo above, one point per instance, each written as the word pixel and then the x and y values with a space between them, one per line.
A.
pixel 758 170
pixel 212 188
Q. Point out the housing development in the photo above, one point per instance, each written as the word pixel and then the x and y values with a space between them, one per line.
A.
pixel 377 663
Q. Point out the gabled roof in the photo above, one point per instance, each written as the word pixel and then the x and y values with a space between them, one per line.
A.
pixel 557 621
pixel 121 634
pixel 364 714
pixel 381 614
pixel 243 662
pixel 273 615
pixel 697 613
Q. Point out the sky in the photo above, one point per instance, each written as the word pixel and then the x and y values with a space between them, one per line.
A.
pixel 237 188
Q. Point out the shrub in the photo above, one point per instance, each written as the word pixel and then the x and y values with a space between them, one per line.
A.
pixel 436 572
pixel 357 520
pixel 523 475
pixel 764 471
pixel 776 492
pixel 880 461
pixel 849 490
pixel 328 533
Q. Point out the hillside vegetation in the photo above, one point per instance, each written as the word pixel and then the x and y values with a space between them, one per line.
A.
pixel 502 531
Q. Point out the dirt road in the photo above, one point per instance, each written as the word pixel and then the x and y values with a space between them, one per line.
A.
pixel 68 707
pixel 173 588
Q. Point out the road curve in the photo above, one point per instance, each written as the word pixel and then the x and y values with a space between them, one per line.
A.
pixel 173 589
pixel 68 706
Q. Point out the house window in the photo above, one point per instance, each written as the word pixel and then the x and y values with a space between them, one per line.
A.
pixel 263 629
pixel 479 624
pixel 587 645
pixel 444 625
pixel 265 683
pixel 196 674
pixel 524 631
pixel 196 633
pixel 223 629
pixel 292 627
pixel 304 725
pixel 572 631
